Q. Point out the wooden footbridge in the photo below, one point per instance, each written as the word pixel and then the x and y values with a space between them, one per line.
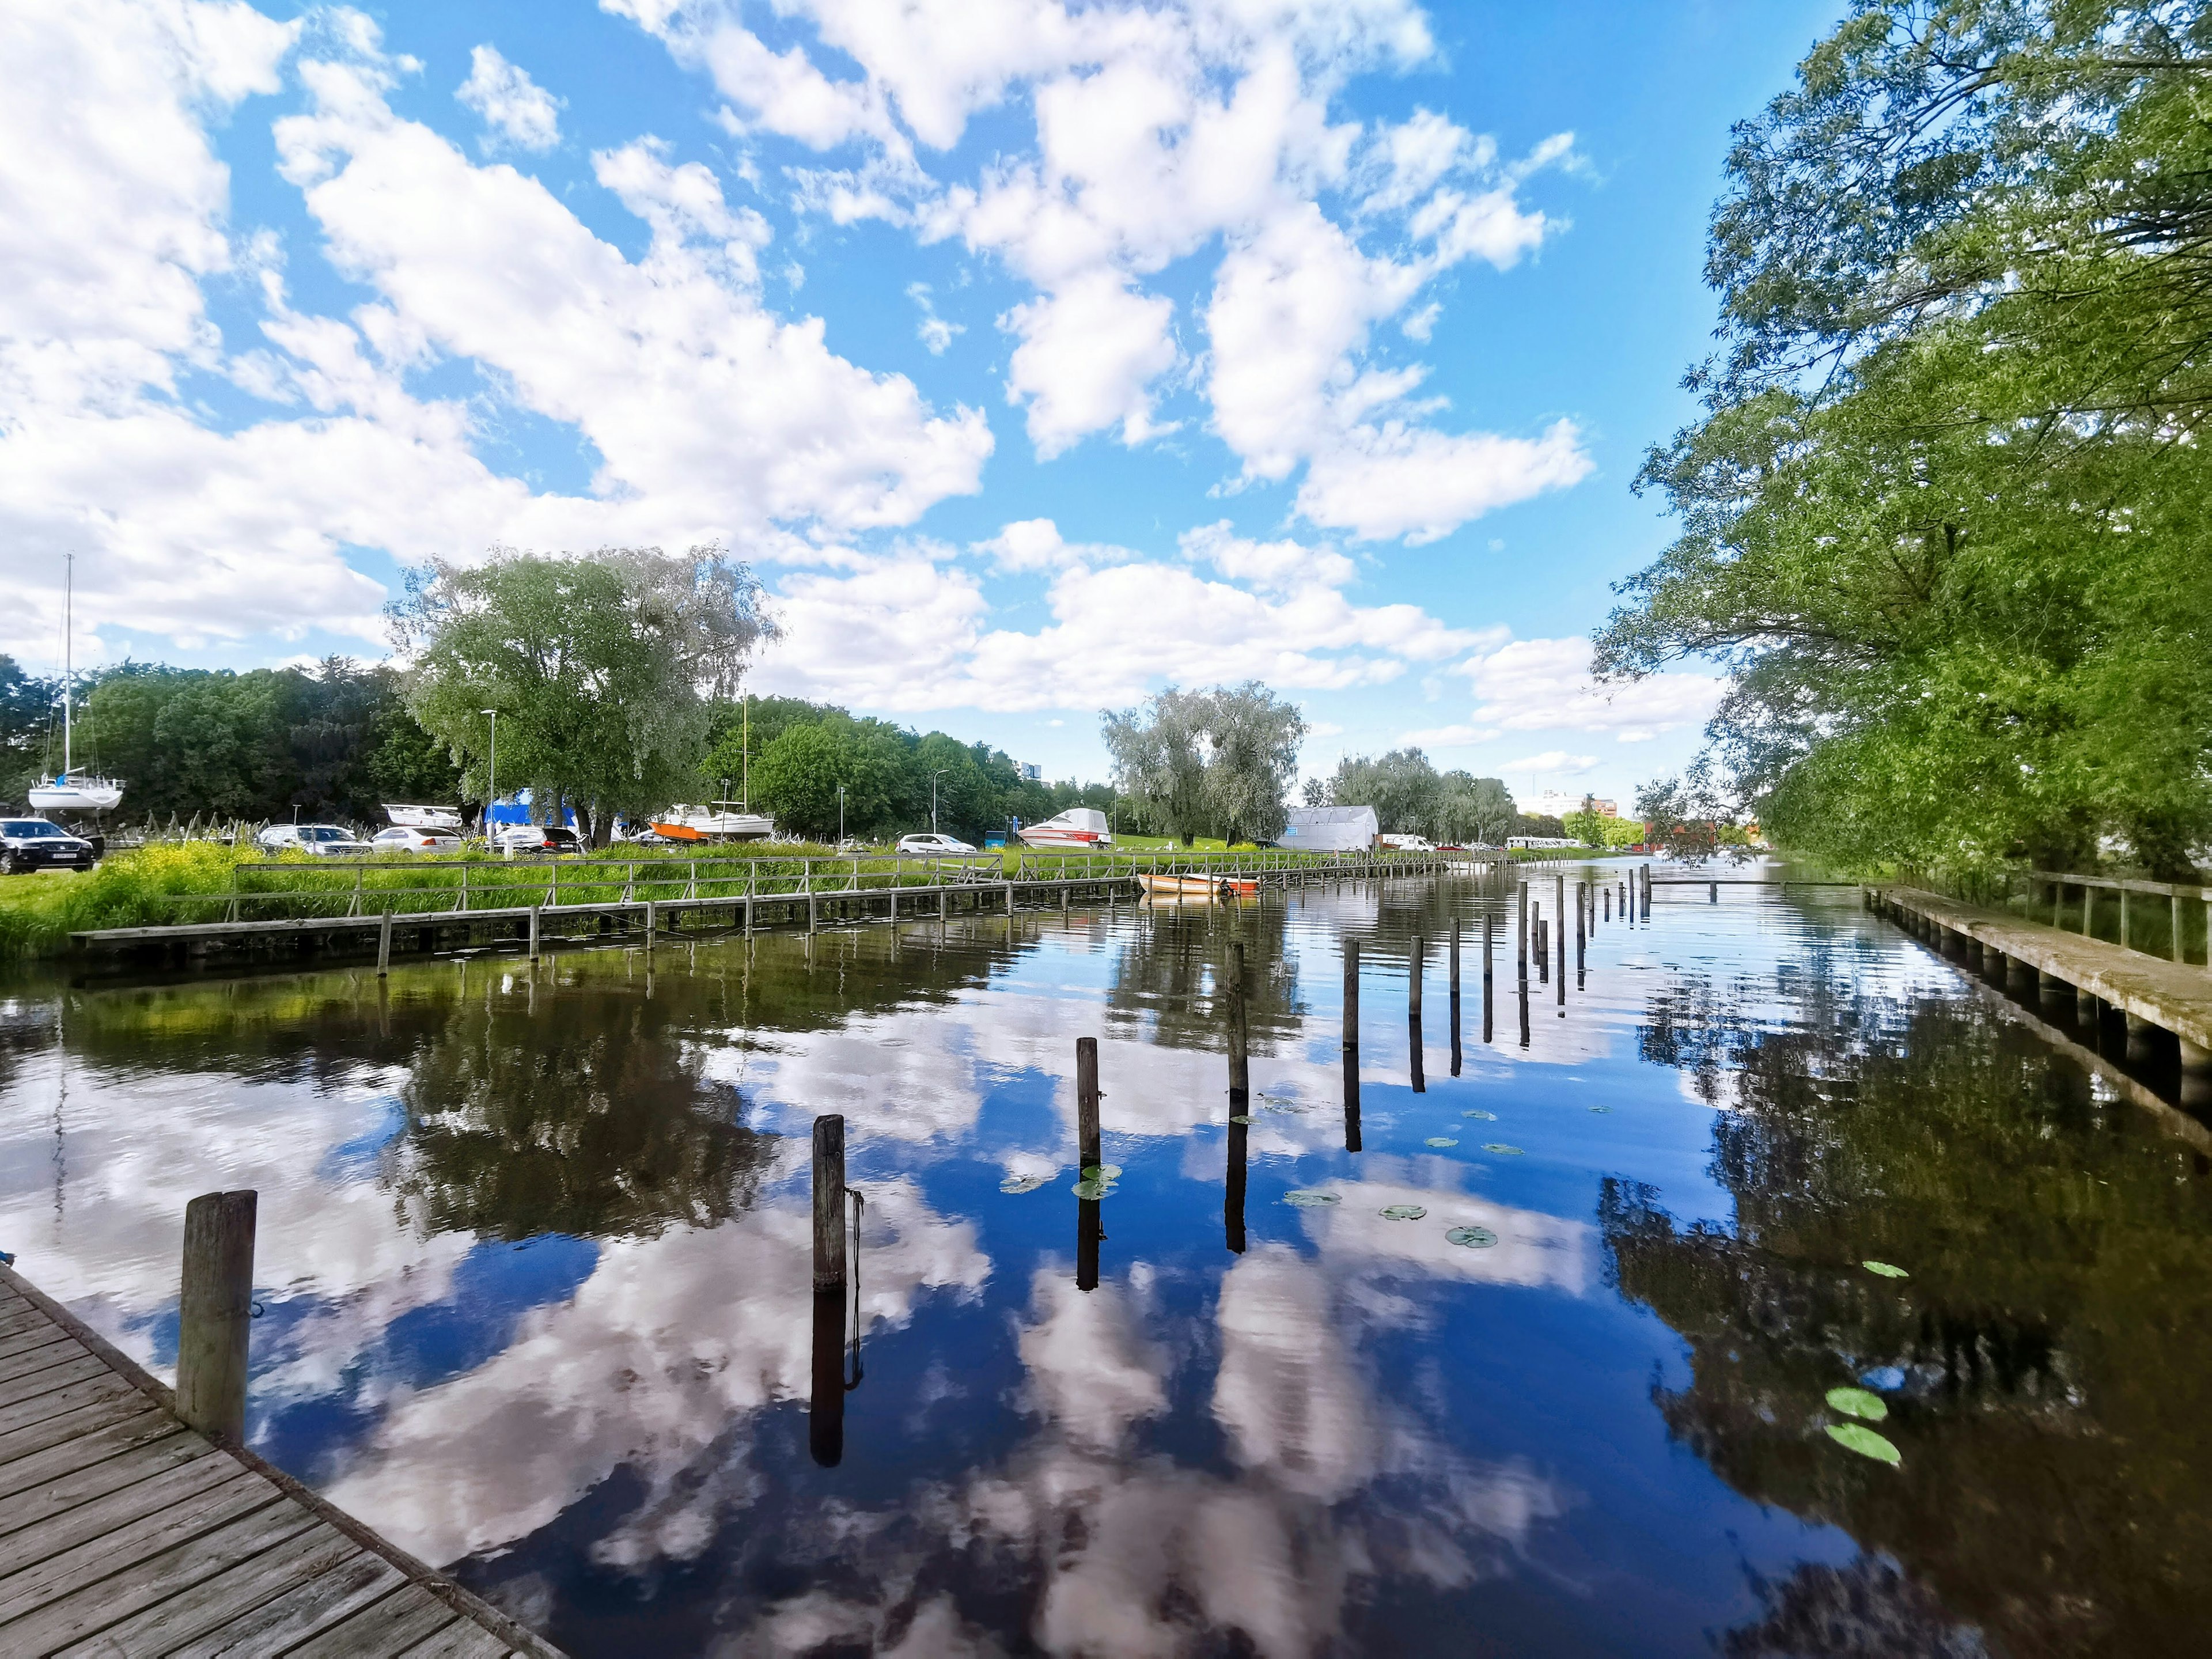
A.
pixel 285 911
pixel 124 1532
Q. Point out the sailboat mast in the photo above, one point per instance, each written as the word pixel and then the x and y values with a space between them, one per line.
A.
pixel 69 596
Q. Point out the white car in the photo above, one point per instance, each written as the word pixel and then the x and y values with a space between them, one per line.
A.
pixel 401 839
pixel 933 846
pixel 519 838
pixel 325 841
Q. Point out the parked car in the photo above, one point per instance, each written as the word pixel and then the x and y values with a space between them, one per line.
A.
pixel 326 841
pixel 559 838
pixel 519 838
pixel 28 844
pixel 400 839
pixel 933 846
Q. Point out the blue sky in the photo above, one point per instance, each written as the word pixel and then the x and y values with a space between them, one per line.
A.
pixel 1037 355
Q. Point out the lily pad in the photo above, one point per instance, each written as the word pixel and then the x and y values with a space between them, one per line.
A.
pixel 1857 1437
pixel 1501 1148
pixel 1240 1117
pixel 1306 1198
pixel 1477 1111
pixel 1884 1269
pixel 1403 1211
pixel 1093 1188
pixel 1857 1402
pixel 1441 1141
pixel 1102 1171
pixel 1475 1238
pixel 1020 1183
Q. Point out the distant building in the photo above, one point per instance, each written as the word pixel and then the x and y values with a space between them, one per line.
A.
pixel 1330 829
pixel 1030 771
pixel 1552 804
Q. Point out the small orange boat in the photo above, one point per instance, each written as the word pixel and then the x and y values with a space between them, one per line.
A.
pixel 1195 886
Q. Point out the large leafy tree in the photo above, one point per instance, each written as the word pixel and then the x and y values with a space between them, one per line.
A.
pixel 1219 761
pixel 1411 796
pixel 602 668
pixel 1944 515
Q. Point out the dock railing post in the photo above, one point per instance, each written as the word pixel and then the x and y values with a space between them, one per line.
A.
pixel 829 1202
pixel 216 1314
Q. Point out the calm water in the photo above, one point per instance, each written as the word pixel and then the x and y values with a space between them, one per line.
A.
pixel 534 1252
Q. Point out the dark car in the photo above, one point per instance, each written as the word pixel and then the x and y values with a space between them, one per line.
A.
pixel 28 844
pixel 559 838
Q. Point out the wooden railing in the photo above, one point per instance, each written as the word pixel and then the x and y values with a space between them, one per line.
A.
pixel 2047 888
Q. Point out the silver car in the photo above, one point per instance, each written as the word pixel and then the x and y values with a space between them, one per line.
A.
pixel 933 846
pixel 326 841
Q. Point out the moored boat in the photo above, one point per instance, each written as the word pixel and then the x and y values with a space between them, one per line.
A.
pixel 1078 829
pixel 423 818
pixel 1196 886
pixel 72 789
pixel 724 820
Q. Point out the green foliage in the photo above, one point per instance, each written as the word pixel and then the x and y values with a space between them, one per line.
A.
pixel 600 667
pixel 1410 797
pixel 1218 762
pixel 25 703
pixel 128 889
pixel 1944 516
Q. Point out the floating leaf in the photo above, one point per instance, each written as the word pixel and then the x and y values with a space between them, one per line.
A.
pixel 1306 1198
pixel 1475 1238
pixel 1501 1148
pixel 1240 1117
pixel 1477 1111
pixel 1888 1378
pixel 1441 1141
pixel 1100 1171
pixel 1021 1183
pixel 1857 1402
pixel 1403 1211
pixel 1093 1188
pixel 1884 1269
pixel 1865 1442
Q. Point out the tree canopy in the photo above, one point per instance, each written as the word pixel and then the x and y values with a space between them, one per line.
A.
pixel 1943 515
pixel 1219 761
pixel 1411 796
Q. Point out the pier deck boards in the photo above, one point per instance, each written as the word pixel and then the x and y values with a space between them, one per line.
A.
pixel 2173 996
pixel 122 1533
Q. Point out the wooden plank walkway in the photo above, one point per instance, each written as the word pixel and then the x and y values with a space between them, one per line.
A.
pixel 2172 996
pixel 122 1533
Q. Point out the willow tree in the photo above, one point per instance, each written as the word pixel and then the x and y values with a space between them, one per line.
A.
pixel 1945 512
pixel 1218 762
pixel 601 666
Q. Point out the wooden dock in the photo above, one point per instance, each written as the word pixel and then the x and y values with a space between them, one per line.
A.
pixel 2152 994
pixel 123 1533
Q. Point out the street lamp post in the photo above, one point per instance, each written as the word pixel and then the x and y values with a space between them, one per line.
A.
pixel 491 786
pixel 934 777
pixel 840 818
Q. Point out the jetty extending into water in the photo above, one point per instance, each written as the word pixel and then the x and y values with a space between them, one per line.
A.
pixel 123 1532
pixel 2159 999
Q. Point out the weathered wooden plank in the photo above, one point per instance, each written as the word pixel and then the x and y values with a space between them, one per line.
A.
pixel 96 1604
pixel 94 1381
pixel 95 1479
pixel 26 1390
pixel 460 1640
pixel 81 1448
pixel 389 1627
pixel 57 1575
pixel 56 1431
pixel 27 1331
pixel 29 1362
pixel 223 1599
pixel 182 1487
pixel 298 1613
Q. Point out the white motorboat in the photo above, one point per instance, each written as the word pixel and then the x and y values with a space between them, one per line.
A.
pixel 724 820
pixel 424 818
pixel 1078 829
pixel 72 789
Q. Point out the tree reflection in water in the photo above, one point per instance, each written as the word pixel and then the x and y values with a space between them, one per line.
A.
pixel 2057 1488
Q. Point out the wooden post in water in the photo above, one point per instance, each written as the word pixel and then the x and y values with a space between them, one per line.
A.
pixel 652 918
pixel 1560 910
pixel 829 1202
pixel 1351 993
pixel 384 945
pixel 1240 1071
pixel 1486 974
pixel 1521 936
pixel 533 932
pixel 1087 1140
pixel 825 1411
pixel 1351 1097
pixel 216 1314
pixel 1454 997
pixel 1415 972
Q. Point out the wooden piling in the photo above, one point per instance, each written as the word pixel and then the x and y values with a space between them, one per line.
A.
pixel 1521 936
pixel 384 945
pixel 652 918
pixel 1351 993
pixel 1486 998
pixel 829 1202
pixel 1240 1074
pixel 1086 1103
pixel 1414 965
pixel 533 932
pixel 1454 997
pixel 825 1411
pixel 216 1314
pixel 1351 1097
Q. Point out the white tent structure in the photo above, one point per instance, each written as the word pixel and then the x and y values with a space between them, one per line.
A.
pixel 1330 829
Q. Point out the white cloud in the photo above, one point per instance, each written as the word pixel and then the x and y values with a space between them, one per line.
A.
pixel 1445 737
pixel 1551 761
pixel 514 106
pixel 1088 353
pixel 933 330
pixel 1273 567
pixel 1543 685
pixel 1396 480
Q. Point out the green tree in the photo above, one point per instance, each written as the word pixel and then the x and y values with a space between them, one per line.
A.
pixel 1944 516
pixel 1402 786
pixel 799 775
pixel 1210 762
pixel 602 668
pixel 25 703
pixel 1472 809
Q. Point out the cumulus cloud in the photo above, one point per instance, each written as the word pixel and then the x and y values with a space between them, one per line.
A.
pixel 514 106
pixel 1543 685
pixel 1551 761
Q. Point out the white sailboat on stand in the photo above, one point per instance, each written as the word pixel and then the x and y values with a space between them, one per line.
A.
pixel 69 790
